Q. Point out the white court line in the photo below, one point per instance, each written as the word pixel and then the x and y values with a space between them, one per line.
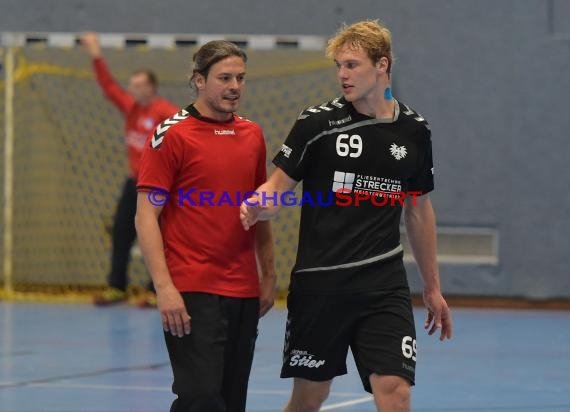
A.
pixel 101 387
pixel 168 389
pixel 138 388
pixel 347 403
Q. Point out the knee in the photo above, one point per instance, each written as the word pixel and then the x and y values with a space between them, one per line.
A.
pixel 308 401
pixel 310 405
pixel 394 390
pixel 401 394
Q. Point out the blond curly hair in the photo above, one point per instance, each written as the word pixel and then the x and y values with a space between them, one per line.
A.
pixel 369 35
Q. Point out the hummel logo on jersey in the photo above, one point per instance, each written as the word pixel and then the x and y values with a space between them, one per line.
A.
pixel 161 129
pixel 341 121
pixel 399 152
pixel 225 131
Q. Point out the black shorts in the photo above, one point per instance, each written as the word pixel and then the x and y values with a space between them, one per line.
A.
pixel 377 325
pixel 211 366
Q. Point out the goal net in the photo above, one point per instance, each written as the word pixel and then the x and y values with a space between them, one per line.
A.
pixel 68 160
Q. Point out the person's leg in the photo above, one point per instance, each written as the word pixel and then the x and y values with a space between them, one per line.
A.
pixel 150 286
pixel 391 393
pixel 242 317
pixel 307 396
pixel 384 348
pixel 318 332
pixel 124 235
pixel 197 359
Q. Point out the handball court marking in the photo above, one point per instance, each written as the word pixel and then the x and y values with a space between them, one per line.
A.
pixel 48 381
pixel 54 357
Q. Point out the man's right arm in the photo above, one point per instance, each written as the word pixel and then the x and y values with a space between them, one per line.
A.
pixel 175 318
pixel 255 208
pixel 113 91
pixel 291 162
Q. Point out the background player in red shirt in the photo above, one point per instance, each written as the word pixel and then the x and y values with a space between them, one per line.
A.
pixel 195 171
pixel 143 111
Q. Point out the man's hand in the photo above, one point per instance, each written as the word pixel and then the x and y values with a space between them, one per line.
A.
pixel 267 296
pixel 250 211
pixel 438 316
pixel 91 42
pixel 264 205
pixel 175 318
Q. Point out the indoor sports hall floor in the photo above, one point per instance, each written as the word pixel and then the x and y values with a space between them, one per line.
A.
pixel 71 358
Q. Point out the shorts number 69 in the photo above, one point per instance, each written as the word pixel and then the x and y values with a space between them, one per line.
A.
pixel 409 347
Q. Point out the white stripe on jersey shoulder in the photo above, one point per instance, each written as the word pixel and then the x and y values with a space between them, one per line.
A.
pixel 415 115
pixel 244 119
pixel 162 128
pixel 325 107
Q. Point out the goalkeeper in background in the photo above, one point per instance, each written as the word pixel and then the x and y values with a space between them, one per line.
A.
pixel 143 110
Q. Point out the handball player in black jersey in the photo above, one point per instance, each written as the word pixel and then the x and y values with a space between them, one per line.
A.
pixel 363 158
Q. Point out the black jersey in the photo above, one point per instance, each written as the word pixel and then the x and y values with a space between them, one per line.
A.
pixel 345 158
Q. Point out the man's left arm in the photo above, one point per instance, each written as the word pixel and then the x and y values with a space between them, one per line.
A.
pixel 420 226
pixel 266 263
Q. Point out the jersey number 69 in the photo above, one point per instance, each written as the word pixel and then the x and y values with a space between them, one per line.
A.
pixel 353 148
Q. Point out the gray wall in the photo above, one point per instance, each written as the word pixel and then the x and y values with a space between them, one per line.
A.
pixel 489 76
